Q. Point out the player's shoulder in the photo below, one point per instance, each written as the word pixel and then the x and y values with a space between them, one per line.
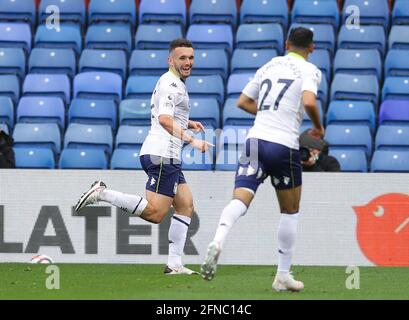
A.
pixel 311 70
pixel 170 84
pixel 310 67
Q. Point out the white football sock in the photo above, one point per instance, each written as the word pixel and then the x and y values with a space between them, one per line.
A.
pixel 132 204
pixel 231 213
pixel 177 237
pixel 287 233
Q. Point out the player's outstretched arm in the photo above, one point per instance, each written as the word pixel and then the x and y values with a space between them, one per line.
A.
pixel 310 105
pixel 247 104
pixel 171 126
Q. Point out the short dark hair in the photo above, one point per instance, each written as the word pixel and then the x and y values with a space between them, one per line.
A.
pixel 301 37
pixel 177 43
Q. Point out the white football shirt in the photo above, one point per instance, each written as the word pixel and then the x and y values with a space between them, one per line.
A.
pixel 170 97
pixel 277 87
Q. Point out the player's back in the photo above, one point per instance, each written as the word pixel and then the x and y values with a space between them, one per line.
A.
pixel 278 87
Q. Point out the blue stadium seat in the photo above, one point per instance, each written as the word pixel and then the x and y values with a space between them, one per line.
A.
pixel 358 61
pixel 342 136
pixel 156 36
pixel 371 12
pixel 83 158
pixel 44 135
pixel 395 88
pixel 350 160
pixel 211 62
pixel 149 62
pixel 10 87
pixel 92 111
pixel 80 136
pixel 69 11
pixel 396 63
pixel 160 11
pixel 43 60
pixel 213 11
pixel 399 37
pixel 312 11
pixel 237 82
pixel 41 110
pixel 4 127
pixel 135 112
pixel 34 158
pixel 67 36
pixel 306 122
pixel 400 12
pixel 260 36
pixel 205 110
pixel 18 10
pixel 16 35
pixel 123 11
pixel 126 159
pixel 322 60
pixel 129 137
pixel 211 36
pixel 324 36
pixel 392 137
pixel 232 115
pixel 355 87
pixel 140 86
pixel 6 112
pixel 104 60
pixel 351 113
pixel 48 84
pixel 390 161
pixel 366 37
pixel 113 36
pixel 264 11
pixel 206 87
pixel 394 112
pixel 98 85
pixel 12 61
pixel 249 60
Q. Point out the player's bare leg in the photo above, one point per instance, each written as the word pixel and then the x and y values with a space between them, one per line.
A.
pixel 242 198
pixel 179 225
pixel 289 200
pixel 153 209
pixel 157 208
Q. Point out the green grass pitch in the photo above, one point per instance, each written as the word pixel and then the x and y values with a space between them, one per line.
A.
pixel 147 282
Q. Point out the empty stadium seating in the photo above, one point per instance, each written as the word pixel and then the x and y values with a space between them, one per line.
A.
pixel 159 11
pixel 350 160
pixel 48 61
pixel 34 158
pixel 12 61
pixel 83 158
pixel 264 11
pixel 69 11
pixel 95 69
